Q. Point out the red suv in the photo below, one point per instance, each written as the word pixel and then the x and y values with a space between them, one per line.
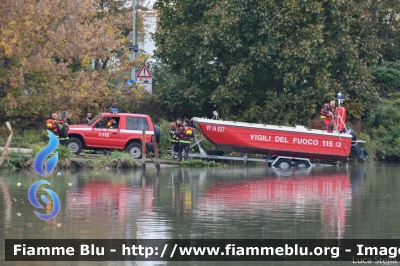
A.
pixel 113 130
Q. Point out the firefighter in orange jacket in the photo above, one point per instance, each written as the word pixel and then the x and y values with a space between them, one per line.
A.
pixel 327 115
pixel 185 134
pixel 51 124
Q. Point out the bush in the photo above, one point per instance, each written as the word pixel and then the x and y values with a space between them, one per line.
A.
pixel 117 159
pixel 370 145
pixel 15 159
pixel 165 139
pixel 26 138
pixel 384 130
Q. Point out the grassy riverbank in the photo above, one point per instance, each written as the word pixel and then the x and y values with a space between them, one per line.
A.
pixel 110 160
pixel 37 140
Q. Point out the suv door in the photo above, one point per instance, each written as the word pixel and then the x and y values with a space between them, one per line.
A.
pixel 105 136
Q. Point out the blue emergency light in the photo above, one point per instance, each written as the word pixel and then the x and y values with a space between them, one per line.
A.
pixel 340 98
pixel 113 110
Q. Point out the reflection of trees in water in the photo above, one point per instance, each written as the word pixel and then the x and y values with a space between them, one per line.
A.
pixel 375 214
pixel 182 192
pixel 7 207
pixel 358 175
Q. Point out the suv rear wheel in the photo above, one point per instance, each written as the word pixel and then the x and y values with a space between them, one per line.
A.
pixel 134 150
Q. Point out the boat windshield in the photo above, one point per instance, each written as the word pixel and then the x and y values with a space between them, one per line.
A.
pixel 94 119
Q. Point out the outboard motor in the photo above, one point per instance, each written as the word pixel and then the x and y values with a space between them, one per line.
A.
pixel 359 152
pixel 340 120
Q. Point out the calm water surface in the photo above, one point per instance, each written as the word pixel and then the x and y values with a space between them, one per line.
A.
pixel 235 202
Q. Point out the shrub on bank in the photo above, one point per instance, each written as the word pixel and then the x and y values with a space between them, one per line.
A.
pixel 117 159
pixel 25 138
pixel 15 159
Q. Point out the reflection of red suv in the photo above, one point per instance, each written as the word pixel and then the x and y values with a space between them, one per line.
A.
pixel 124 133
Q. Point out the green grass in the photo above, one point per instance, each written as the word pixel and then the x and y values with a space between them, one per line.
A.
pixel 26 138
pixel 169 159
pixel 116 159
pixel 63 152
pixel 14 159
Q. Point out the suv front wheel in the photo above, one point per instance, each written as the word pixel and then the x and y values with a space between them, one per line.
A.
pixel 74 145
pixel 134 150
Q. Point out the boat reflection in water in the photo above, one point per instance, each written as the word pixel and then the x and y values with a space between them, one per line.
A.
pixel 291 194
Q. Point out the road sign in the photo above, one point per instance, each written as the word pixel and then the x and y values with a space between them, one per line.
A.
pixel 146 83
pixel 147 86
pixel 144 73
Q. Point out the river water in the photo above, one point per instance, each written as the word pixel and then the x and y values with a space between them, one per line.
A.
pixel 229 202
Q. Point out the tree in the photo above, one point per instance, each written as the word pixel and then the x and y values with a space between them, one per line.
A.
pixel 66 55
pixel 383 122
pixel 385 20
pixel 266 61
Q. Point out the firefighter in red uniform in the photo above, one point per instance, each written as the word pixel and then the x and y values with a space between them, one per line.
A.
pixel 175 127
pixel 185 134
pixel 51 124
pixel 327 115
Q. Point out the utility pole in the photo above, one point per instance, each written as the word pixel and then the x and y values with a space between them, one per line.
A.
pixel 133 75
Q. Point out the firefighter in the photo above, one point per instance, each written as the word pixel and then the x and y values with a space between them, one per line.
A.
pixel 62 127
pixel 51 124
pixel 175 127
pixel 327 115
pixel 87 119
pixel 112 123
pixel 185 134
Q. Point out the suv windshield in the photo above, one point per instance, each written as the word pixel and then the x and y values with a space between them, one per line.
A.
pixel 94 119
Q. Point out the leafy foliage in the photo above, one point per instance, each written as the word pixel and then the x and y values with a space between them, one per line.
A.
pixel 69 55
pixel 383 122
pixel 117 159
pixel 387 78
pixel 269 61
pixel 14 159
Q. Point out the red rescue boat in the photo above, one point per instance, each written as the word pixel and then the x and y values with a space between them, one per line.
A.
pixel 298 141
